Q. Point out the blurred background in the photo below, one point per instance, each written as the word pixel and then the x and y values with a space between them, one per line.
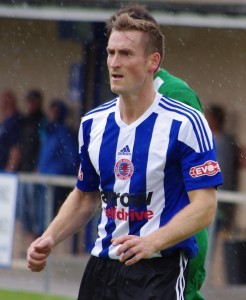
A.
pixel 54 52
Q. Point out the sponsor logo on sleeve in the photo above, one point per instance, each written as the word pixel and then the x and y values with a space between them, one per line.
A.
pixel 209 168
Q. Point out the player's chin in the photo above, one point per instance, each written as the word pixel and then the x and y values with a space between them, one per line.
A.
pixel 115 88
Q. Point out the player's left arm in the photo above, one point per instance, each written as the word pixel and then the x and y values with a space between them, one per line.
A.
pixel 194 217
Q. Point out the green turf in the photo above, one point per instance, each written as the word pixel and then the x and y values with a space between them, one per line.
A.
pixel 17 295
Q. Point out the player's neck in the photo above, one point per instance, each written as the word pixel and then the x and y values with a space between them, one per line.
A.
pixel 134 106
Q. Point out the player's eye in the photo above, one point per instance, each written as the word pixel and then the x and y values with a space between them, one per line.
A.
pixel 125 53
pixel 110 52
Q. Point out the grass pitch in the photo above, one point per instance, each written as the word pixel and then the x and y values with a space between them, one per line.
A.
pixel 14 295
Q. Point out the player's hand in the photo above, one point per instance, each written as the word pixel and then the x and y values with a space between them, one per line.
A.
pixel 38 253
pixel 133 248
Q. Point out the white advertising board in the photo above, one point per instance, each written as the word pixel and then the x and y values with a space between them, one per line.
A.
pixel 8 195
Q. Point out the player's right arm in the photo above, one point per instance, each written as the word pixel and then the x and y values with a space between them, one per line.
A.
pixel 76 211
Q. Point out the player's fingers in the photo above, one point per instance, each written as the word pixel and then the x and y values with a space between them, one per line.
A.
pixel 37 268
pixel 36 262
pixel 130 253
pixel 37 256
pixel 122 239
pixel 132 260
pixel 43 252
pixel 44 245
pixel 126 246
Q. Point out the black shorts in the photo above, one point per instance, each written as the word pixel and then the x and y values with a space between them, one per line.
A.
pixel 162 278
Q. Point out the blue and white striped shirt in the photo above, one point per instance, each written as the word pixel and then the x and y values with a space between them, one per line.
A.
pixel 144 170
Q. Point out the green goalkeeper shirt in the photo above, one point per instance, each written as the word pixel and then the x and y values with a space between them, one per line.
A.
pixel 175 88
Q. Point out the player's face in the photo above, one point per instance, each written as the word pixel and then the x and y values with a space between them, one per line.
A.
pixel 127 62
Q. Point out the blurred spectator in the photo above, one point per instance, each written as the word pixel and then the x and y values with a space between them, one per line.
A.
pixel 31 128
pixel 58 154
pixel 228 157
pixel 9 132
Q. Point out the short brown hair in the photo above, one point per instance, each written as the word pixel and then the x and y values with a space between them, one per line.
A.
pixel 136 17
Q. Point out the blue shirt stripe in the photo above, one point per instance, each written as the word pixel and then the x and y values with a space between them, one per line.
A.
pixel 110 136
pixel 140 160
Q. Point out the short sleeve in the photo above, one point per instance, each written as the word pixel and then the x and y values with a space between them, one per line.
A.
pixel 88 179
pixel 199 164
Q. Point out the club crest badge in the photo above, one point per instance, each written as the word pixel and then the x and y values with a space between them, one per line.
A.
pixel 124 169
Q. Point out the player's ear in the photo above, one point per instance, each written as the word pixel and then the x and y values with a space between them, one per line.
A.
pixel 154 61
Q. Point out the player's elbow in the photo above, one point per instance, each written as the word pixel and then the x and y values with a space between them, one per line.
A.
pixel 210 211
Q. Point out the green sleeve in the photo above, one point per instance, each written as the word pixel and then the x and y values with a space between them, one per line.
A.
pixel 182 94
pixel 175 88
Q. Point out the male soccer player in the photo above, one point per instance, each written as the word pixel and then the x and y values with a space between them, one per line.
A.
pixel 176 88
pixel 152 160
